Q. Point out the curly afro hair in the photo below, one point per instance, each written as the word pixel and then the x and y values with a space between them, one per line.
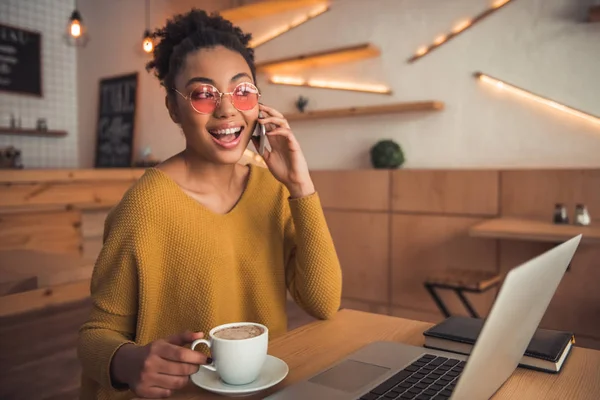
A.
pixel 188 32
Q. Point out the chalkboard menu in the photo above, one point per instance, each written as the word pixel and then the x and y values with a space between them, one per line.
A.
pixel 20 60
pixel 116 117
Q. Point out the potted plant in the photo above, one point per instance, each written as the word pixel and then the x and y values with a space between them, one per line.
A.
pixel 387 154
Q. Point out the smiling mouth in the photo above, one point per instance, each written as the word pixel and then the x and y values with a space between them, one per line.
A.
pixel 226 135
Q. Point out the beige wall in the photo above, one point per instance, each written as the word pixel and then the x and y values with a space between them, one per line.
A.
pixel 541 45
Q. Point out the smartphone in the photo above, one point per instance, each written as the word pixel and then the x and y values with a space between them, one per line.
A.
pixel 261 132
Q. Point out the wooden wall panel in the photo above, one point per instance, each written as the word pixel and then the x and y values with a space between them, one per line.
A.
pixel 424 244
pixel 103 194
pixel 365 306
pixel 49 269
pixel 533 194
pixel 576 303
pixel 362 244
pixel 445 192
pixel 70 175
pixel 365 190
pixel 55 232
pixel 92 223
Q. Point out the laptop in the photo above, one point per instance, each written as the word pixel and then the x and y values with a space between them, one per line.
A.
pixel 391 370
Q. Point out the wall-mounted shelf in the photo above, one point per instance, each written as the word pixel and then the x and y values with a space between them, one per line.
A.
pixel 322 58
pixel 369 110
pixel 266 8
pixel 594 14
pixel 31 132
pixel 532 230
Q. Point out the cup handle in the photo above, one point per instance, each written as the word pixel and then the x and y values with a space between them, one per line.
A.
pixel 207 343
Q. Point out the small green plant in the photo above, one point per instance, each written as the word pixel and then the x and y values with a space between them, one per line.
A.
pixel 387 154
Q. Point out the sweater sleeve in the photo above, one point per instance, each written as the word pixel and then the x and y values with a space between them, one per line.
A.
pixel 111 323
pixel 313 273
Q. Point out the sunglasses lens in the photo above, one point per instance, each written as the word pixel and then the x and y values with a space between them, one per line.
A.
pixel 204 99
pixel 245 97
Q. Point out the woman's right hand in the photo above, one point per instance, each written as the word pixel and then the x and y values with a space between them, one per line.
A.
pixel 155 370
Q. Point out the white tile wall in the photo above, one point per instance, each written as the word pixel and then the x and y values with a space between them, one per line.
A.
pixel 59 102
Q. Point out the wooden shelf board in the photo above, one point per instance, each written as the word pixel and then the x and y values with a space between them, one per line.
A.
pixel 320 59
pixel 266 8
pixel 534 230
pixel 594 14
pixel 387 93
pixel 31 132
pixel 369 110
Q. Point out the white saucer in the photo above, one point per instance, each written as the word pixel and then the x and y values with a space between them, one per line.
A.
pixel 274 371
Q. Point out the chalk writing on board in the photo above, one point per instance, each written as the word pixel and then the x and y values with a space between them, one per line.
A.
pixel 20 60
pixel 116 118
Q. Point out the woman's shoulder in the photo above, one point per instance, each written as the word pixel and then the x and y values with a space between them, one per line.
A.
pixel 267 183
pixel 146 197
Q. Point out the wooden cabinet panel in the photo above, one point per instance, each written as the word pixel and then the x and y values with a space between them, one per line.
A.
pixel 533 194
pixel 576 303
pixel 362 244
pixel 425 244
pixel 92 223
pixel 99 193
pixel 56 231
pixel 367 190
pixel 445 192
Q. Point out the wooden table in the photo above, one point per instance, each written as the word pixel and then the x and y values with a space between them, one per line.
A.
pixel 315 346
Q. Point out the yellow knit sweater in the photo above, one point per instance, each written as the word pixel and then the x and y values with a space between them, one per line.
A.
pixel 169 264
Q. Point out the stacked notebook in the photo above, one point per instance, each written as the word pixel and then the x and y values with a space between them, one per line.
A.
pixel 547 350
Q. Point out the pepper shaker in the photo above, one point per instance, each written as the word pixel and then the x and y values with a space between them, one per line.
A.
pixel 560 214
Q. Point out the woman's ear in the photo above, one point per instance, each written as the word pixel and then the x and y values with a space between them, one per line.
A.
pixel 171 105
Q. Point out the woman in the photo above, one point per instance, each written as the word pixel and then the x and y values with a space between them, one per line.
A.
pixel 201 240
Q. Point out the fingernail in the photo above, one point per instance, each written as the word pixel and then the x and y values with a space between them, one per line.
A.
pixel 209 360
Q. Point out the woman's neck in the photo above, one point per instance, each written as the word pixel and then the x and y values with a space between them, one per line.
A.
pixel 203 176
pixel 197 175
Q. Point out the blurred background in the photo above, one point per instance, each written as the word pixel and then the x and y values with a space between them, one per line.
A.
pixel 450 141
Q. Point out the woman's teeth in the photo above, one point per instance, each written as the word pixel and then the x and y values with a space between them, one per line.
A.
pixel 228 131
pixel 228 138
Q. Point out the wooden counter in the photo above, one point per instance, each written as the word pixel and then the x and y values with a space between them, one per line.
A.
pixel 534 230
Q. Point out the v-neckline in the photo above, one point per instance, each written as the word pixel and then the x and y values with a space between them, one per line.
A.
pixel 239 203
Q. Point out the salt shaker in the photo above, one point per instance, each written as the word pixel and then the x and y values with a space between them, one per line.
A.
pixel 582 217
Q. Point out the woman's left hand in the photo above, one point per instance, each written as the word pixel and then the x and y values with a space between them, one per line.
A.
pixel 285 160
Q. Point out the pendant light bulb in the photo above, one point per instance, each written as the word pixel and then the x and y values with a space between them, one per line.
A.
pixel 76 34
pixel 147 44
pixel 75 28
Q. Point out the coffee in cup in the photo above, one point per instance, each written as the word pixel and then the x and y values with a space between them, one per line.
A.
pixel 239 332
pixel 238 350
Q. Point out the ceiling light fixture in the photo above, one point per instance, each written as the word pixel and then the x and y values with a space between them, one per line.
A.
pixel 76 32
pixel 147 43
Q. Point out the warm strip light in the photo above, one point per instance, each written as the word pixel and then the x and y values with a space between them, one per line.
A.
pixel 315 12
pixel 532 96
pixel 326 84
pixel 456 30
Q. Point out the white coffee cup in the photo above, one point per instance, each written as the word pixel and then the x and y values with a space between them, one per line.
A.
pixel 237 361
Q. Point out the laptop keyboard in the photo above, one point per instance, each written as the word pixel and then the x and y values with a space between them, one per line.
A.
pixel 429 377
